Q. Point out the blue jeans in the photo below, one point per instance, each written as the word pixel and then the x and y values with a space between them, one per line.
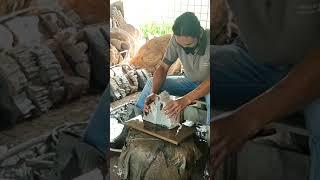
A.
pixel 97 132
pixel 174 85
pixel 237 78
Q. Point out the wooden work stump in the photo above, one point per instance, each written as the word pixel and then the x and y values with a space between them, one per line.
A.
pixel 146 157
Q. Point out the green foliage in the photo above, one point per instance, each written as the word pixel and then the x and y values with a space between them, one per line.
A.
pixel 155 29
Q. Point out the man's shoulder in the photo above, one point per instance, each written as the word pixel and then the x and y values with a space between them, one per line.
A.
pixel 172 42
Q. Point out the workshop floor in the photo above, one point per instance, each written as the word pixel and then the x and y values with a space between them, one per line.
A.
pixel 77 111
pixel 113 166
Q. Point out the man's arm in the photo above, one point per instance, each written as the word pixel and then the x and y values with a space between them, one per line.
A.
pixel 159 77
pixel 202 90
pixel 300 87
pixel 174 108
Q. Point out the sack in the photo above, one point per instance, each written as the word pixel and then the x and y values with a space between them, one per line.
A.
pixel 145 157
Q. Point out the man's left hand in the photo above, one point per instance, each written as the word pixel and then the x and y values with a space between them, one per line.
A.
pixel 229 132
pixel 173 108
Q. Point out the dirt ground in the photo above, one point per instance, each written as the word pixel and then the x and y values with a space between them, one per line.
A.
pixel 113 166
pixel 77 111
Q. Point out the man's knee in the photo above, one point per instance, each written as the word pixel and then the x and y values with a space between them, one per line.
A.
pixel 224 51
pixel 149 82
pixel 312 116
pixel 226 55
pixel 207 98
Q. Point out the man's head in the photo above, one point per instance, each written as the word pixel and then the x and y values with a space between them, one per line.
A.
pixel 187 30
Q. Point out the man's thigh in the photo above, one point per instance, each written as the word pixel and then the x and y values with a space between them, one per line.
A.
pixel 236 78
pixel 97 132
pixel 178 85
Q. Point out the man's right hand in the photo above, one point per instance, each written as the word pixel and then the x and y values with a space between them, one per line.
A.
pixel 150 99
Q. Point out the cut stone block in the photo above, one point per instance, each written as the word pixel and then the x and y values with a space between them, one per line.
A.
pixel 157 114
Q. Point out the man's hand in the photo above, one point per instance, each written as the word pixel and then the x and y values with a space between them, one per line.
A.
pixel 227 134
pixel 293 92
pixel 150 99
pixel 173 108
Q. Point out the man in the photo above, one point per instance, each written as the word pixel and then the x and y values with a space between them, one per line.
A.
pixel 278 75
pixel 190 43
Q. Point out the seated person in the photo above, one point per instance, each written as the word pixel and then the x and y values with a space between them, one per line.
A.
pixel 190 43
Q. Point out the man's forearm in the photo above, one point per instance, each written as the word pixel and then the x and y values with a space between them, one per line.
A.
pixel 300 87
pixel 159 77
pixel 202 90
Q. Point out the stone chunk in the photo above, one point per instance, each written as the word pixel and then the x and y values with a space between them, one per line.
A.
pixel 157 114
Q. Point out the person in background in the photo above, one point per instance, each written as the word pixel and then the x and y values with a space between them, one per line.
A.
pixel 277 75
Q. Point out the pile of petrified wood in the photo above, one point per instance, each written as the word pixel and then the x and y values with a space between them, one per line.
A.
pixel 125 80
pixel 132 65
pixel 48 57
pixel 123 38
pixel 60 154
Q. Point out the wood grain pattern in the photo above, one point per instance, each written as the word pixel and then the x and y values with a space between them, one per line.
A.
pixel 161 132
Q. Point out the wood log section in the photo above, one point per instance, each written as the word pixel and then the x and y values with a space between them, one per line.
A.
pixel 90 11
pixel 150 55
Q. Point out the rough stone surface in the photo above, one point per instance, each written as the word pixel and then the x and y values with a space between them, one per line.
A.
pixel 39 48
pixel 123 81
pixel 6 40
pixel 25 29
pixel 75 86
pixel 8 6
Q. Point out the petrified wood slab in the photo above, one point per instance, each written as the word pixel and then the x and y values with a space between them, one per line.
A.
pixel 169 135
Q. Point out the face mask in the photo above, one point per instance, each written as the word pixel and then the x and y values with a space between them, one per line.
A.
pixel 189 50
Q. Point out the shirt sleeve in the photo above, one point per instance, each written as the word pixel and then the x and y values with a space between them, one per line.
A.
pixel 171 54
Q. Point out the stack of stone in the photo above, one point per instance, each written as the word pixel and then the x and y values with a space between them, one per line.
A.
pixel 47 59
pixel 125 80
